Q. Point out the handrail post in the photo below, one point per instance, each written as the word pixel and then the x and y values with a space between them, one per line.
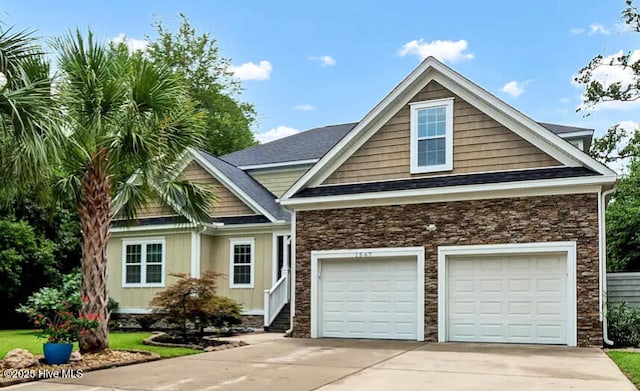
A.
pixel 267 315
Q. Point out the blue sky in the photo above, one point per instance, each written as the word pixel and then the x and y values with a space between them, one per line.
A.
pixel 308 64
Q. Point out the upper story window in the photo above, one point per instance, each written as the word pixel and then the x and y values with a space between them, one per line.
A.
pixel 432 136
pixel 241 264
pixel 143 262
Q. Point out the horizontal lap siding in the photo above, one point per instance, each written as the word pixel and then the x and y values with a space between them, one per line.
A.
pixel 278 182
pixel 226 204
pixel 623 287
pixel 479 144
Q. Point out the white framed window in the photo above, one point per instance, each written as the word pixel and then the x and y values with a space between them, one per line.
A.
pixel 432 136
pixel 143 262
pixel 241 262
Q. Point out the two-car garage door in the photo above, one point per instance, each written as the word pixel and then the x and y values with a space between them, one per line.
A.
pixel 517 297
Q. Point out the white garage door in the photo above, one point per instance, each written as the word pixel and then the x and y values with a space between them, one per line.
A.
pixel 368 298
pixel 511 299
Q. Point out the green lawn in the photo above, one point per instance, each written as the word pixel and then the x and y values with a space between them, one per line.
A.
pixel 25 339
pixel 629 363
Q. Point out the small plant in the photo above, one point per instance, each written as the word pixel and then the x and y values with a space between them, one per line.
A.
pixel 64 325
pixel 193 301
pixel 624 324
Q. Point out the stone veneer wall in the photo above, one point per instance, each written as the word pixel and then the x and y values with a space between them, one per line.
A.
pixel 494 221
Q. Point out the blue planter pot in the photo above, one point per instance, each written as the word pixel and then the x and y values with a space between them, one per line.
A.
pixel 57 353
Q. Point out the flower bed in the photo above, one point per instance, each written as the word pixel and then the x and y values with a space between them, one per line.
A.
pixel 89 362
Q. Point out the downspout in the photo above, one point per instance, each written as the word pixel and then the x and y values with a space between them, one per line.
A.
pixel 602 205
pixel 292 275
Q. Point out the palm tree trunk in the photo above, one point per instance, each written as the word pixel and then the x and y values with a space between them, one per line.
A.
pixel 95 217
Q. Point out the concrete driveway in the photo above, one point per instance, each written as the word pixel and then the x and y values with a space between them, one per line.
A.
pixel 328 365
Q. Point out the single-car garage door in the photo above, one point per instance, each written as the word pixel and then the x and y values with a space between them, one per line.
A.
pixel 368 298
pixel 507 298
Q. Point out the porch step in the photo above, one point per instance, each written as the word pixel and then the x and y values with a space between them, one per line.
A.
pixel 281 323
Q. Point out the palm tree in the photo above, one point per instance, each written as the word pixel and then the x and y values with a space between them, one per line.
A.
pixel 26 113
pixel 127 125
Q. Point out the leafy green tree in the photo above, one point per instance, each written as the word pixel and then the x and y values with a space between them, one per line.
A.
pixel 623 223
pixel 623 212
pixel 198 59
pixel 26 262
pixel 617 143
pixel 128 123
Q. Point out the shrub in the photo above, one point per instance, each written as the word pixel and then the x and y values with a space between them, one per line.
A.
pixel 624 324
pixel 48 300
pixel 63 326
pixel 194 300
pixel 225 312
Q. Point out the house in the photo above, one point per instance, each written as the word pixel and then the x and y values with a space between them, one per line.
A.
pixel 443 215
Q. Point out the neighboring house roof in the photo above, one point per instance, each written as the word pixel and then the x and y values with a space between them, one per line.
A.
pixel 451 180
pixel 248 185
pixel 564 129
pixel 311 144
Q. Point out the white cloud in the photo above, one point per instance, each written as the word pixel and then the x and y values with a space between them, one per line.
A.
pixel 597 28
pixel 515 88
pixel 608 74
pixel 325 61
pixel 565 100
pixel 447 51
pixel 274 134
pixel 304 107
pixel 133 44
pixel 577 30
pixel 252 71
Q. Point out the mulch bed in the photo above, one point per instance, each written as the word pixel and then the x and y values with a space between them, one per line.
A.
pixel 90 362
pixel 208 343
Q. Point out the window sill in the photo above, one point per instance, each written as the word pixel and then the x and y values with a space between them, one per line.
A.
pixel 161 285
pixel 439 168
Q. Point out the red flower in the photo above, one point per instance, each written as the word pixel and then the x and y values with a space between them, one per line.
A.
pixel 86 299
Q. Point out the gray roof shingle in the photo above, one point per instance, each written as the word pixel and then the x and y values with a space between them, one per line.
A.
pixel 250 186
pixel 307 145
pixel 563 129
pixel 315 143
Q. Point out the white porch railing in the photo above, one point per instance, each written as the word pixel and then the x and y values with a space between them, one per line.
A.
pixel 275 299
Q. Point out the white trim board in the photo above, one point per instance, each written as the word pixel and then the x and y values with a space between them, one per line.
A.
pixel 370 253
pixel 432 69
pixel 146 310
pixel 465 192
pixel 290 165
pixel 244 197
pixel 518 248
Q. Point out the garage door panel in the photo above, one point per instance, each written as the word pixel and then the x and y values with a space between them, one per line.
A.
pixel 519 299
pixel 378 298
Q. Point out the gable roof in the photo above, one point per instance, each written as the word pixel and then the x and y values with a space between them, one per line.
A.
pixel 311 144
pixel 243 186
pixel 314 143
pixel 432 69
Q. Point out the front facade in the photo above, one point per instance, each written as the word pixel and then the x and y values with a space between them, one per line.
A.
pixel 447 215
pixel 443 215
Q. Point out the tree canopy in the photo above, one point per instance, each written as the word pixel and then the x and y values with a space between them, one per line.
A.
pixel 623 212
pixel 197 57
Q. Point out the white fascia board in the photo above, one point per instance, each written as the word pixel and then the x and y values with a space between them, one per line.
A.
pixel 278 165
pixel 574 185
pixel 232 186
pixel 585 133
pixel 159 227
pixel 220 228
pixel 546 140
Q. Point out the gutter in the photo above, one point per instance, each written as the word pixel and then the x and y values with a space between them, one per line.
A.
pixel 603 264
